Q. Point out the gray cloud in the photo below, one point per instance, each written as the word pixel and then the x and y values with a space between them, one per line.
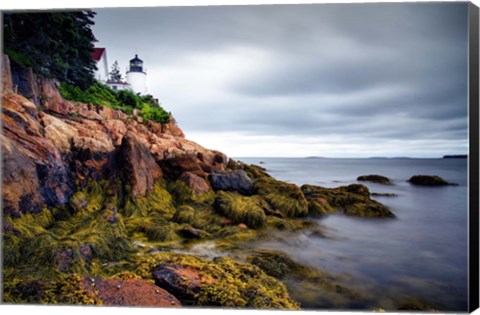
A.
pixel 391 72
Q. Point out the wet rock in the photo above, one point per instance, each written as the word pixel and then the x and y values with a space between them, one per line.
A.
pixel 183 282
pixel 375 194
pixel 237 180
pixel 379 179
pixel 429 180
pixel 189 232
pixel 132 292
pixel 275 263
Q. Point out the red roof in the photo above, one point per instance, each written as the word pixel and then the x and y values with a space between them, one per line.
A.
pixel 97 53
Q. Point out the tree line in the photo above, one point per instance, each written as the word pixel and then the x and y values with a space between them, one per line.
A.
pixel 54 44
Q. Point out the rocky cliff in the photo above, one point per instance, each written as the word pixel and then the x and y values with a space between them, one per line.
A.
pixel 98 205
pixel 51 149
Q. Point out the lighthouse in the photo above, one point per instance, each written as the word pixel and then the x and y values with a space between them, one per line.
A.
pixel 136 76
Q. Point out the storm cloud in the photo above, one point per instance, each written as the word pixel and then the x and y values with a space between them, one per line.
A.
pixel 299 80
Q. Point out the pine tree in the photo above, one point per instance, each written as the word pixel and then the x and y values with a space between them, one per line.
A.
pixel 115 75
pixel 54 44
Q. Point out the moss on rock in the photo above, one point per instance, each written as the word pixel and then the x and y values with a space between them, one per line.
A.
pixel 287 198
pixel 354 200
pixel 230 284
pixel 240 209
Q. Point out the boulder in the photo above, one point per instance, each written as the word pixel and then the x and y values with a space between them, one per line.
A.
pixel 195 182
pixel 379 179
pixel 237 180
pixel 139 165
pixel 181 163
pixel 181 281
pixel 428 180
pixel 132 292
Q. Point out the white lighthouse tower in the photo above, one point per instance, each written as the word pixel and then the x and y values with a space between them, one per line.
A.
pixel 136 76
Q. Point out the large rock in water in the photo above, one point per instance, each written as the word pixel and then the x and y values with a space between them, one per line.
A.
pixel 353 199
pixel 237 180
pixel 140 165
pixel 379 179
pixel 428 180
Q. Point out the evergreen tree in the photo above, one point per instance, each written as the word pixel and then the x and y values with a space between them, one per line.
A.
pixel 115 75
pixel 54 44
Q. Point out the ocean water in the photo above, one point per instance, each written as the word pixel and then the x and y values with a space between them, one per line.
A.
pixel 421 255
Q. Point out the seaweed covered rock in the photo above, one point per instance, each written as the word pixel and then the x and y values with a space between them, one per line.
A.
pixel 283 197
pixel 328 288
pixel 237 180
pixel 275 263
pixel 218 282
pixel 241 209
pixel 379 179
pixel 428 180
pixel 354 200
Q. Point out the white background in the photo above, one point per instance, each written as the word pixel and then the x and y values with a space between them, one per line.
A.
pixel 77 310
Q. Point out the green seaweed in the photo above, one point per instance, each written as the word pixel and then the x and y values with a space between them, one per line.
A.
pixel 241 209
pixel 233 284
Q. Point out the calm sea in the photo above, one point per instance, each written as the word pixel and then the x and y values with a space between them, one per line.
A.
pixel 421 255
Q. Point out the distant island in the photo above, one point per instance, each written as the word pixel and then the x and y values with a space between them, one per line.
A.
pixel 459 156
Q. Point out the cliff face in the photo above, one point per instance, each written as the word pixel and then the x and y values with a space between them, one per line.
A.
pixel 51 147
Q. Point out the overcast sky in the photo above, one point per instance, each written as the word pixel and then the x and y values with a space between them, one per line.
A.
pixel 335 80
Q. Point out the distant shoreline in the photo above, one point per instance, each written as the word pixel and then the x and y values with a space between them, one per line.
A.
pixel 460 156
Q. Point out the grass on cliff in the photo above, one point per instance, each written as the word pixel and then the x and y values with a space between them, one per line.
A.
pixel 124 100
